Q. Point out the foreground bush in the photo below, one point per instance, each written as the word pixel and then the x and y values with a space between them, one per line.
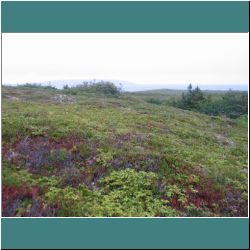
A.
pixel 124 193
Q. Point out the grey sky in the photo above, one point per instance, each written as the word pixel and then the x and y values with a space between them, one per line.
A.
pixel 147 59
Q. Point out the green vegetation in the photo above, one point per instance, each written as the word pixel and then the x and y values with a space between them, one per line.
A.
pixel 91 150
pixel 232 104
pixel 107 88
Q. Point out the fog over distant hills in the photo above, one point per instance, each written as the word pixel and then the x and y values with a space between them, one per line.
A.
pixel 130 87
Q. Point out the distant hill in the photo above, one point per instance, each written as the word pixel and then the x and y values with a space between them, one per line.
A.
pixel 178 91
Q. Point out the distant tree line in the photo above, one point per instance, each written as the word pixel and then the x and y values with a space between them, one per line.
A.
pixel 104 87
pixel 232 103
pixel 35 86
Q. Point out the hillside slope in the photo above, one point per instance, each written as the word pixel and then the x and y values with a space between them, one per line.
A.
pixel 97 155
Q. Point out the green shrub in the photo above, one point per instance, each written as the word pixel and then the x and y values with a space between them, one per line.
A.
pixel 83 150
pixel 71 201
pixel 58 156
pixel 12 177
pixel 232 104
pixel 125 193
pixel 45 182
pixel 104 87
pixel 104 157
pixel 131 193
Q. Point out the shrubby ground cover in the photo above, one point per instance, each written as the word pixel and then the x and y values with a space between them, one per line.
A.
pixel 99 152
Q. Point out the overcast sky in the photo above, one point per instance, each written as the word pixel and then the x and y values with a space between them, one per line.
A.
pixel 148 59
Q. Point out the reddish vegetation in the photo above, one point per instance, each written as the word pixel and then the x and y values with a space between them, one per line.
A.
pixel 13 196
pixel 33 153
pixel 36 142
pixel 205 195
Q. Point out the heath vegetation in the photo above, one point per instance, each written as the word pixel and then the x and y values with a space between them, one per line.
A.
pixel 93 150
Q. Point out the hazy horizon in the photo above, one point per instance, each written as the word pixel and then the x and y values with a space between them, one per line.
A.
pixel 130 87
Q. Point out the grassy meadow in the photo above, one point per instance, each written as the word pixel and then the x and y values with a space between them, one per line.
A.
pixel 98 154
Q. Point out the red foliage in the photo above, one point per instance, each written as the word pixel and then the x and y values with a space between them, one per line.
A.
pixel 35 142
pixel 12 196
